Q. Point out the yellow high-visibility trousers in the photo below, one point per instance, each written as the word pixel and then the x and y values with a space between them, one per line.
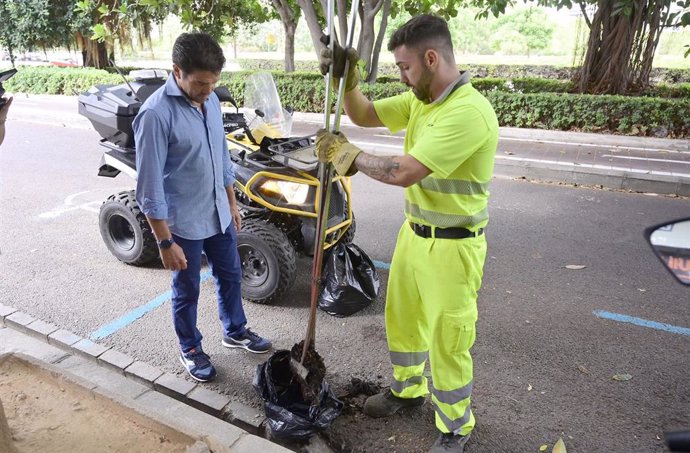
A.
pixel 431 312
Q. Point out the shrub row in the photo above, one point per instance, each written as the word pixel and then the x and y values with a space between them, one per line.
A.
pixel 658 75
pixel 521 102
pixel 50 80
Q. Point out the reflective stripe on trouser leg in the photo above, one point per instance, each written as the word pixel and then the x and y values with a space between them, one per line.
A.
pixel 447 275
pixel 405 328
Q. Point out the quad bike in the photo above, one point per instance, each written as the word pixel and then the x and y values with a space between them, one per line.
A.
pixel 276 184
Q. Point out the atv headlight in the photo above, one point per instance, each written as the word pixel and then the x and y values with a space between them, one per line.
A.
pixel 293 192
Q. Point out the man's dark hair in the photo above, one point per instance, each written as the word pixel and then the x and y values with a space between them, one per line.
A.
pixel 424 32
pixel 197 52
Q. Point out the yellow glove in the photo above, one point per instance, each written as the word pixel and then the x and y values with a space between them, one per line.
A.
pixel 339 57
pixel 338 151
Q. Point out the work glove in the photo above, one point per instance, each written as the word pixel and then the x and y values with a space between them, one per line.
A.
pixel 335 148
pixel 339 57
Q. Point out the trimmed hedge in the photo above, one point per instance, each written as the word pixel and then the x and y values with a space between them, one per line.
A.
pixel 51 80
pixel 609 114
pixel 520 102
pixel 658 75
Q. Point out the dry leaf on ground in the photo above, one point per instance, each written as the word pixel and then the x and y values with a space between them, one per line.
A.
pixel 559 447
pixel 622 377
pixel 575 267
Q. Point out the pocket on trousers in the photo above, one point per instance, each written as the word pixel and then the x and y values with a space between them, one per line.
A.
pixel 459 331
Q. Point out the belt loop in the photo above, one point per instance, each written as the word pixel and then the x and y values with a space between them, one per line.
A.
pixel 432 229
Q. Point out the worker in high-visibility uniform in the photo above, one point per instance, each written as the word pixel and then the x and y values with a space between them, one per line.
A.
pixel 450 144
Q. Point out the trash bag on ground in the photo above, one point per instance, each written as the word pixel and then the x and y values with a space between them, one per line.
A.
pixel 289 416
pixel 350 281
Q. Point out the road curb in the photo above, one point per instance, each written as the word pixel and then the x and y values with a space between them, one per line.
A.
pixel 55 346
pixel 612 179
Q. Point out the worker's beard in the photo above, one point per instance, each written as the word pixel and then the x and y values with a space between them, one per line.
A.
pixel 422 89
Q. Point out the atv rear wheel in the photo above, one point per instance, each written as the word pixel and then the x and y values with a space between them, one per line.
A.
pixel 268 261
pixel 125 230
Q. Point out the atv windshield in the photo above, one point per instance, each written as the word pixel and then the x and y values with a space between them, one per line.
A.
pixel 264 112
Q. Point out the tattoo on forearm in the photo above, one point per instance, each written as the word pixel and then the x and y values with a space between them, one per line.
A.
pixel 380 168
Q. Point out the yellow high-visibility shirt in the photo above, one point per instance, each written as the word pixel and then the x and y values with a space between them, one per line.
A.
pixel 456 138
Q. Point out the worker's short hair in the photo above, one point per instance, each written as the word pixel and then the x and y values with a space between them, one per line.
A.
pixel 197 52
pixel 422 33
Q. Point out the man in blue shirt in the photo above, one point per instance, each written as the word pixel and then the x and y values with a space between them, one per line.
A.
pixel 185 189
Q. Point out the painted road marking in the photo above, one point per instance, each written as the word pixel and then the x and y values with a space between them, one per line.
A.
pixel 131 316
pixel 128 318
pixel 381 265
pixel 642 322
pixel 70 205
pixel 600 167
pixel 648 159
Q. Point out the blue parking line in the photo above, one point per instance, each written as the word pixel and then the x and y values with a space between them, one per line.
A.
pixel 642 322
pixel 381 264
pixel 128 318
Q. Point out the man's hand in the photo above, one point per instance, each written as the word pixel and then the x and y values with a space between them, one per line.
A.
pixel 339 57
pixel 4 109
pixel 173 258
pixel 335 148
pixel 236 217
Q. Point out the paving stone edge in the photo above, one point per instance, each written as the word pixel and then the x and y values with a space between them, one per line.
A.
pixel 74 344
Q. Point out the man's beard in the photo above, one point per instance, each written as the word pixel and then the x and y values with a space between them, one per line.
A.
pixel 422 90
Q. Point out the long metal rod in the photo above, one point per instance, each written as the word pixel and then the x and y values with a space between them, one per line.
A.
pixel 343 79
pixel 325 176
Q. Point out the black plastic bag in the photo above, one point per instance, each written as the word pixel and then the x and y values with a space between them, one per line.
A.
pixel 288 415
pixel 350 281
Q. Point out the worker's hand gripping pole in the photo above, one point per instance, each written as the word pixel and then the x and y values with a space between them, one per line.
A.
pixel 325 171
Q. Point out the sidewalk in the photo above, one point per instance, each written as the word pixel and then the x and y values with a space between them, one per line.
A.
pixel 203 415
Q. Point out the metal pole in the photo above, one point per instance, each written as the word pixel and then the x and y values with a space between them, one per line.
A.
pixel 325 176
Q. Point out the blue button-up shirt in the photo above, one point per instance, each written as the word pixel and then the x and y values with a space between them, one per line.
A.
pixel 183 164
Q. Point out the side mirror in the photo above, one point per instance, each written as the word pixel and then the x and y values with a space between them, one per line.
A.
pixel 224 96
pixel 671 243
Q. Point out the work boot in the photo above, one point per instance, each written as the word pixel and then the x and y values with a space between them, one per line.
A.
pixel 386 404
pixel 449 442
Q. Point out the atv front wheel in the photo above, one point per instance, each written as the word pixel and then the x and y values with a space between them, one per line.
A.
pixel 268 261
pixel 125 230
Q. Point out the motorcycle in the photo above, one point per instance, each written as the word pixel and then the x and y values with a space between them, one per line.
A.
pixel 276 184
pixel 670 242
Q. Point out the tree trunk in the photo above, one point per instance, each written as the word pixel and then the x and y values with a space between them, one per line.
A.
pixel 620 48
pixel 373 72
pixel 369 11
pixel 307 7
pixel 342 19
pixel 290 46
pixel 289 21
pixel 94 53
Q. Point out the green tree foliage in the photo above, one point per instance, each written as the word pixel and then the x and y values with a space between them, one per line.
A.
pixel 219 18
pixel 29 25
pixel 523 32
pixel 623 34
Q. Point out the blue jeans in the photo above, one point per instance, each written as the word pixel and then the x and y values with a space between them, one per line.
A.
pixel 221 253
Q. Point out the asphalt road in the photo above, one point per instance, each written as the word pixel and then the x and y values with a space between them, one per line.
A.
pixel 544 360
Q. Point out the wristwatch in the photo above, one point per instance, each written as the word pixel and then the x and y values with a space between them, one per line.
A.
pixel 166 243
